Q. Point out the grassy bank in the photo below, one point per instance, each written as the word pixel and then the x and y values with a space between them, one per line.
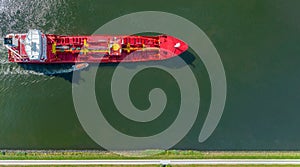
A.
pixel 147 154
pixel 170 166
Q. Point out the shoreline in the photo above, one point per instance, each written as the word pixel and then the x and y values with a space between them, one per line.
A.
pixel 7 154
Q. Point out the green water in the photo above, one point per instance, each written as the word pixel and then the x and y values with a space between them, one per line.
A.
pixel 258 42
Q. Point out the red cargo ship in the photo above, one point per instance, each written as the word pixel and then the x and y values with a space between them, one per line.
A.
pixel 36 47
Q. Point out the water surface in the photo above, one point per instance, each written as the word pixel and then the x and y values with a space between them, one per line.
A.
pixel 258 42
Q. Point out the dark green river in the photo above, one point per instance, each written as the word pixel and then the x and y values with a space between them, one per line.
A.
pixel 258 42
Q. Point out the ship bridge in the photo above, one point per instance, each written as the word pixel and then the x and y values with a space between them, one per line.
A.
pixel 35 45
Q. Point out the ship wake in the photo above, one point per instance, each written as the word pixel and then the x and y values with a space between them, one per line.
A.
pixel 7 68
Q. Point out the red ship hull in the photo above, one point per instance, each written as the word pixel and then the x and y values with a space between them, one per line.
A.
pixel 35 47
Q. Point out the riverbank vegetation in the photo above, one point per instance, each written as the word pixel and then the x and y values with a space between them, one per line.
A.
pixel 147 154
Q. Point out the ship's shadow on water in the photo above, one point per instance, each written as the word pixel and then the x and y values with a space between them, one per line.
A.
pixel 58 70
pixel 186 56
pixel 66 71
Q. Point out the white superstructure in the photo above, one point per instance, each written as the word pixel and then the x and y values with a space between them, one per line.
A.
pixel 35 45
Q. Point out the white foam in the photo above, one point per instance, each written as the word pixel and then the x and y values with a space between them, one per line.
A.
pixel 19 16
